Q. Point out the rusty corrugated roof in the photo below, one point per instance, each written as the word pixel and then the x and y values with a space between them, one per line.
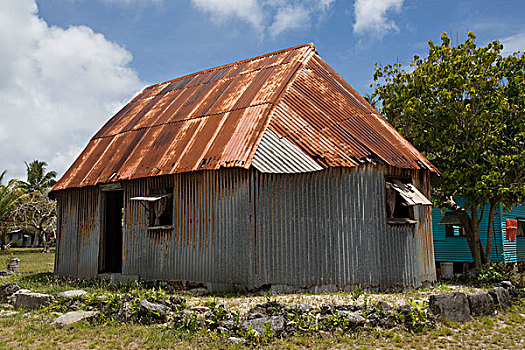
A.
pixel 217 117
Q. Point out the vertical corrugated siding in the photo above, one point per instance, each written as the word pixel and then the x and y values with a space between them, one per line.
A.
pixel 209 239
pixel 514 251
pixel 78 232
pixel 456 248
pixel 238 226
pixel 329 228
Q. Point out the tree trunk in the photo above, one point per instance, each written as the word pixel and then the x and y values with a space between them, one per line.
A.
pixel 471 229
pixel 3 238
pixel 44 241
pixel 477 240
pixel 35 239
pixel 490 229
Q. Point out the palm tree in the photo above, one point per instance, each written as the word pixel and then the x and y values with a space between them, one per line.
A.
pixel 10 194
pixel 371 100
pixel 37 178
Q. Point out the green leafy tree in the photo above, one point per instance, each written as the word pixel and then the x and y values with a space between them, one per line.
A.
pixel 36 212
pixel 10 196
pixel 37 177
pixel 463 107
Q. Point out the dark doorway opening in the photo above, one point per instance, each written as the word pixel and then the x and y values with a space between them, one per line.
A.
pixel 110 259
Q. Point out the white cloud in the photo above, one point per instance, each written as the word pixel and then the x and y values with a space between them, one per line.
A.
pixel 371 16
pixel 291 17
pixel 513 43
pixel 274 16
pixel 132 2
pixel 57 87
pixel 221 10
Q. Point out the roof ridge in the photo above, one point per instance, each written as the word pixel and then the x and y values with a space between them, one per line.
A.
pixel 277 100
pixel 311 45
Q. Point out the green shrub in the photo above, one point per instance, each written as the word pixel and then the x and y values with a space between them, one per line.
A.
pixel 495 273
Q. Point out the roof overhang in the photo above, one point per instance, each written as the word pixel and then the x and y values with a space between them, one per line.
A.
pixel 150 198
pixel 450 219
pixel 408 192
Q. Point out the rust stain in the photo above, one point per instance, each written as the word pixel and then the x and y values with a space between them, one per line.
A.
pixel 216 118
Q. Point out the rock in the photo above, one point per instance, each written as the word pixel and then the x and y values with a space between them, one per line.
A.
pixel 236 340
pixel 354 319
pixel 453 306
pixel 199 309
pixel 405 310
pixel 71 294
pixel 74 317
pixel 7 312
pixel 126 313
pixel 349 307
pixel 6 290
pixel 152 313
pixel 223 330
pixel 228 324
pixel 177 300
pixel 481 304
pixel 327 309
pixel 387 322
pixel 257 312
pixel 500 296
pixel 382 307
pixel 31 301
pixel 12 297
pixel 197 292
pixel 372 319
pixel 275 324
pixel 513 292
pixel 299 308
pixel 152 307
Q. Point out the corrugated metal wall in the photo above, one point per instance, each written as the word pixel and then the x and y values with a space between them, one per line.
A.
pixel 456 248
pixel 78 232
pixel 514 251
pixel 239 226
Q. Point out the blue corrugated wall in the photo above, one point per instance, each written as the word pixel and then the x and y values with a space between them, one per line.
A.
pixel 514 251
pixel 456 248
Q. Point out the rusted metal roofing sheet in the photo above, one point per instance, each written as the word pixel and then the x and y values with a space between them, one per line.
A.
pixel 217 117
pixel 335 125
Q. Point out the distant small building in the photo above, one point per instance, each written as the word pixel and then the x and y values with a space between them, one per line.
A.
pixel 20 238
pixel 271 172
pixel 23 238
pixel 450 243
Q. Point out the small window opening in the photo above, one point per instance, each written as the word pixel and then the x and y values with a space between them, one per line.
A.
pixel 521 227
pixel 161 210
pixel 401 197
pixel 159 206
pixel 454 230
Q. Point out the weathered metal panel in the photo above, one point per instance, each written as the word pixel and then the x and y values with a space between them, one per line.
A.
pixel 216 118
pixel 329 228
pixel 332 122
pixel 78 232
pixel 303 230
pixel 278 155
pixel 206 120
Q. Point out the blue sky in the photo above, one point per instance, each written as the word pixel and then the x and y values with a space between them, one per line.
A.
pixel 67 65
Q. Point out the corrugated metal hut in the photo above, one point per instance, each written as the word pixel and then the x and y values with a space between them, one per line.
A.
pixel 450 243
pixel 271 171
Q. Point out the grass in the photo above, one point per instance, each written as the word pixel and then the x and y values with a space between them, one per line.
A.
pixel 33 330
pixel 31 259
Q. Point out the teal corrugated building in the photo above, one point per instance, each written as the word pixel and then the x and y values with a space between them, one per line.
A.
pixel 450 244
